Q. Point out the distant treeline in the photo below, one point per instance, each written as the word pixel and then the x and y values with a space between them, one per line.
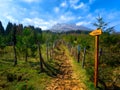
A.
pixel 69 32
pixel 19 28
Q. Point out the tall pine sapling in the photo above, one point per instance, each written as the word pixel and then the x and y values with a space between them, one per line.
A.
pixel 103 25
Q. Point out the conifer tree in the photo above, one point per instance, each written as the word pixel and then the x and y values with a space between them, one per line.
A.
pixel 1 28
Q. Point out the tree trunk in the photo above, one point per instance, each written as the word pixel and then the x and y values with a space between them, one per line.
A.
pixel 50 54
pixel 47 52
pixel 40 57
pixel 15 55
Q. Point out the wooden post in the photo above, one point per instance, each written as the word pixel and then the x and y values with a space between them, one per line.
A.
pixel 96 60
pixel 96 33
pixel 78 56
pixel 83 60
pixel 78 53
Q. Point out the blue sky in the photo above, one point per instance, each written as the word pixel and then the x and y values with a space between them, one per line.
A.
pixel 46 13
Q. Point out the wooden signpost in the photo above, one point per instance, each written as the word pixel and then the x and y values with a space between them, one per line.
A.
pixel 96 33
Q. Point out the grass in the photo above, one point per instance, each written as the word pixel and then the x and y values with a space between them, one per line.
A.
pixel 22 77
pixel 26 75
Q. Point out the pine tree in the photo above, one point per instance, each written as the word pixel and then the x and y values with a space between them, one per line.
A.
pixel 19 29
pixel 103 25
pixel 9 28
pixel 1 28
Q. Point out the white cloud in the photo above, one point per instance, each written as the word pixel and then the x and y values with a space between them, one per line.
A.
pixel 11 8
pixel 63 4
pixel 12 19
pixel 77 4
pixel 87 20
pixel 84 23
pixel 90 16
pixel 46 24
pixel 72 2
pixel 38 22
pixel 56 9
pixel 31 1
pixel 80 17
pixel 81 5
pixel 65 18
pixel 34 13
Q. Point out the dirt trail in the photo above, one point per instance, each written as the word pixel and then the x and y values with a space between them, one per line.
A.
pixel 66 80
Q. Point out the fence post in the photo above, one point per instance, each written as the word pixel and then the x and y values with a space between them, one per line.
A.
pixel 83 60
pixel 78 53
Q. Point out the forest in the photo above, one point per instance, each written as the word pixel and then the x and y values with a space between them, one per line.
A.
pixel 33 59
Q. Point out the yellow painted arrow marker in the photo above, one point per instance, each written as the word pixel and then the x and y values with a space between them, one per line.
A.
pixel 96 32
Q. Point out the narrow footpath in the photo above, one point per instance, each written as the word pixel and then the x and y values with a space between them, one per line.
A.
pixel 66 80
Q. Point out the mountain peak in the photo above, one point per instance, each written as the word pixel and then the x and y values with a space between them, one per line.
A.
pixel 63 27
